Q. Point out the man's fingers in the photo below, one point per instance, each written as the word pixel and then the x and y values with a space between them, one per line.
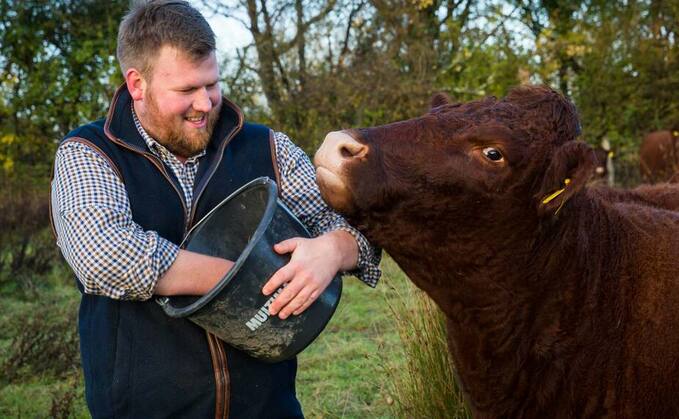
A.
pixel 310 300
pixel 283 275
pixel 285 297
pixel 286 246
pixel 294 305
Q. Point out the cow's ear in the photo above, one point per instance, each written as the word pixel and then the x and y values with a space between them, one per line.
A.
pixel 439 99
pixel 549 110
pixel 572 166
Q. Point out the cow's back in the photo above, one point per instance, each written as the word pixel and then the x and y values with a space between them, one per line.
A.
pixel 658 157
pixel 651 344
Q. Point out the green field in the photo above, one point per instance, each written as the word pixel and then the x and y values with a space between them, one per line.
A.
pixel 345 373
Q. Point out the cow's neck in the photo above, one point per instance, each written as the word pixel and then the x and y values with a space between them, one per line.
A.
pixel 487 319
pixel 506 299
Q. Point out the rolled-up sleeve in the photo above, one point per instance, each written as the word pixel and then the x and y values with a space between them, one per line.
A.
pixel 300 193
pixel 109 253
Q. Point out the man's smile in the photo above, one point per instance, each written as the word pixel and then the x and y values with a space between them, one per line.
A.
pixel 199 121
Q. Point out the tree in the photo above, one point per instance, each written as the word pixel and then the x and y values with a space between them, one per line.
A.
pixel 630 70
pixel 341 63
pixel 58 70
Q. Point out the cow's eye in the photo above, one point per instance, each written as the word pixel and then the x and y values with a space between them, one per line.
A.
pixel 492 154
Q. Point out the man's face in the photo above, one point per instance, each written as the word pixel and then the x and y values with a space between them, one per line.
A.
pixel 181 101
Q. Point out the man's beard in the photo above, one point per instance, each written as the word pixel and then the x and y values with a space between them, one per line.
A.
pixel 173 135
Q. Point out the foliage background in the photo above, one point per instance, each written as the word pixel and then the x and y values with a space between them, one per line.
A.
pixel 312 66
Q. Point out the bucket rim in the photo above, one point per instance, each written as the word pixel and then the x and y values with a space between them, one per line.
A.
pixel 269 211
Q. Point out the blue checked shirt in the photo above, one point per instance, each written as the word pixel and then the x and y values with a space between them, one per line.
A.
pixel 113 256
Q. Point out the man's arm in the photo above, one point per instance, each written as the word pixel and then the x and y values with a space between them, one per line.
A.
pixel 192 274
pixel 109 253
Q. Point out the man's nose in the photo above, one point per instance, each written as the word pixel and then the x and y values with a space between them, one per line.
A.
pixel 202 101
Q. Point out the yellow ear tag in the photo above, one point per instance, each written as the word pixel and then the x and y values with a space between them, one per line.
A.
pixel 548 199
pixel 675 133
pixel 611 154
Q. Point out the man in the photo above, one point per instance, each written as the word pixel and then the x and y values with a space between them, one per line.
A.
pixel 127 188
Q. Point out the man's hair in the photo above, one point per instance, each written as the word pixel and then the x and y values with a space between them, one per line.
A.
pixel 150 25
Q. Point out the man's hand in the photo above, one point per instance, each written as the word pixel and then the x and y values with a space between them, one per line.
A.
pixel 313 264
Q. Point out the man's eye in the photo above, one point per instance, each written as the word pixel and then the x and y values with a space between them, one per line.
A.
pixel 492 154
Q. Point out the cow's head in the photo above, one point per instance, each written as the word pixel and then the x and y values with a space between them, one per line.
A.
pixel 472 164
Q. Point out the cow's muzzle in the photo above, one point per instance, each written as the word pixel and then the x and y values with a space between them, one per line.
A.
pixel 338 149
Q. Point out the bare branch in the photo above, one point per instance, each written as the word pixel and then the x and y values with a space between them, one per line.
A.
pixel 301 44
pixel 301 29
pixel 347 32
pixel 450 9
pixel 241 55
pixel 253 14
pixel 279 12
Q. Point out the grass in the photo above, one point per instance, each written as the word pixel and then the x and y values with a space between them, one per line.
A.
pixel 383 355
pixel 44 397
pixel 361 366
pixel 342 374
pixel 38 350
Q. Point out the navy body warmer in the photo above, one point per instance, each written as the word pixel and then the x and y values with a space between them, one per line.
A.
pixel 138 362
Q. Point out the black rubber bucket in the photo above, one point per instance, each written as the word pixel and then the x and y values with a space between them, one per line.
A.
pixel 243 228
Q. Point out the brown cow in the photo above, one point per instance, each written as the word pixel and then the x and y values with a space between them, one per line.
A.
pixel 561 298
pixel 659 156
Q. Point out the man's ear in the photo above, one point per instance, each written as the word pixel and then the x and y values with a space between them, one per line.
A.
pixel 135 82
pixel 572 166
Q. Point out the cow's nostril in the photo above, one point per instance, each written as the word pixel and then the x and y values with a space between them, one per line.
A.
pixel 349 150
pixel 345 152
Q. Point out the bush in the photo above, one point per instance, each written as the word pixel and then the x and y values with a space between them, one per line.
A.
pixel 62 403
pixel 27 247
pixel 39 356
pixel 43 341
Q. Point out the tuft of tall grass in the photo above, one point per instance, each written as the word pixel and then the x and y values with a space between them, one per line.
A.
pixel 424 385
